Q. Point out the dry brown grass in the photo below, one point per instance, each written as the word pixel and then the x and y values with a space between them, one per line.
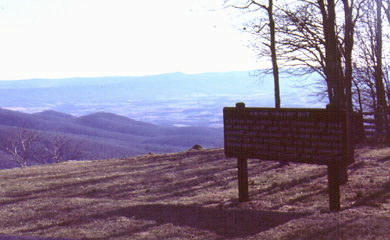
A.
pixel 193 195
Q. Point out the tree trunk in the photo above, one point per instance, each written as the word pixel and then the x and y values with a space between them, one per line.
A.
pixel 275 68
pixel 379 85
pixel 333 67
pixel 349 42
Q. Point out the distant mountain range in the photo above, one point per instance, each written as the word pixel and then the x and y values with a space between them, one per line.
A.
pixel 107 135
pixel 174 99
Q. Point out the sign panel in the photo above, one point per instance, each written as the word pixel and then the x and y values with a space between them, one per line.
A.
pixel 299 135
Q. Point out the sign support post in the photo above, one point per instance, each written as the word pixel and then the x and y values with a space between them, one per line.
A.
pixel 343 171
pixel 242 167
pixel 334 187
pixel 243 187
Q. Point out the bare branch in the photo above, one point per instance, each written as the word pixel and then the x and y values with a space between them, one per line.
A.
pixel 20 144
pixel 61 148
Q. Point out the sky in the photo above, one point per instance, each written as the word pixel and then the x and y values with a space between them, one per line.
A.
pixel 88 38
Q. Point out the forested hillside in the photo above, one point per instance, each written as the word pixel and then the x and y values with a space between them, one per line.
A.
pixel 99 135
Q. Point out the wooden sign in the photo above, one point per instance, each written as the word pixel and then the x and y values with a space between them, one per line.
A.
pixel 317 136
pixel 301 135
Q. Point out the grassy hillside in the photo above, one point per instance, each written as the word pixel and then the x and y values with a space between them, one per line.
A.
pixel 193 195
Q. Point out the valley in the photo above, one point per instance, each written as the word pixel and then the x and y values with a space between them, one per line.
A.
pixel 128 116
pixel 174 99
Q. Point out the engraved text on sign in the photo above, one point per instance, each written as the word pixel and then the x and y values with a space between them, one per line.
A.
pixel 295 135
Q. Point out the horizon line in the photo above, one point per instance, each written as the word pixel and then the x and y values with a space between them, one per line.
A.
pixel 121 75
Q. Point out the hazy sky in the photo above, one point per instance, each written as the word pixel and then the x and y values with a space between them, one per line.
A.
pixel 70 38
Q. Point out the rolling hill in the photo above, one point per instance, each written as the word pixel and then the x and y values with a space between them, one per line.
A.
pixel 107 135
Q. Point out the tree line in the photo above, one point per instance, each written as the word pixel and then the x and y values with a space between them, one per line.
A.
pixel 346 42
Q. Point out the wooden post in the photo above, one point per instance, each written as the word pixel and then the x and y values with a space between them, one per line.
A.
pixel 336 176
pixel 343 174
pixel 334 187
pixel 240 105
pixel 343 168
pixel 242 166
pixel 243 186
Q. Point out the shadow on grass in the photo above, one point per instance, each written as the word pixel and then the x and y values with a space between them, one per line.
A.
pixel 9 237
pixel 385 159
pixel 226 223
pixel 374 198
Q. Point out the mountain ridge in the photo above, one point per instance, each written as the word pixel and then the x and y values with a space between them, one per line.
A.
pixel 108 135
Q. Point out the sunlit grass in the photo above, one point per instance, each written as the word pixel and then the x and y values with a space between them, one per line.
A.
pixel 188 195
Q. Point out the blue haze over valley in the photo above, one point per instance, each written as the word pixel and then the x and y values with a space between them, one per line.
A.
pixel 173 99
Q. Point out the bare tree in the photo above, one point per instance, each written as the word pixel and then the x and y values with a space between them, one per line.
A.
pixel 378 75
pixel 369 68
pixel 364 84
pixel 20 144
pixel 319 36
pixel 61 148
pixel 272 47
pixel 268 34
pixel 315 37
